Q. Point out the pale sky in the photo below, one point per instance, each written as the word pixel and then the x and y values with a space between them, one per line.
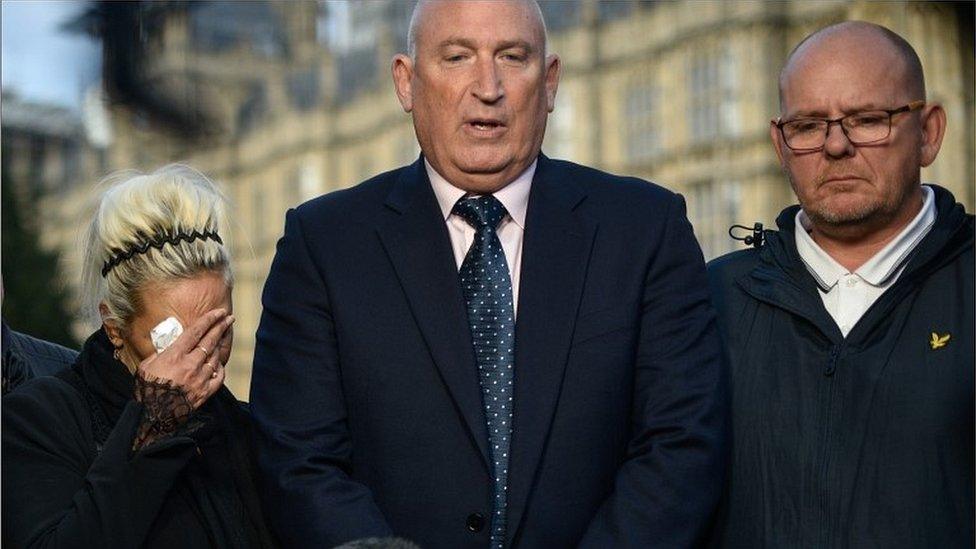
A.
pixel 41 62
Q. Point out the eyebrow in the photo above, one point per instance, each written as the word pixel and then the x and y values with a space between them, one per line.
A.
pixel 820 113
pixel 510 44
pixel 470 44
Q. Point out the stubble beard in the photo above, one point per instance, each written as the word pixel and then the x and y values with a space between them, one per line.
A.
pixel 822 213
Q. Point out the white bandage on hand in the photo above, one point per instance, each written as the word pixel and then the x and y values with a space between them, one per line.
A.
pixel 165 333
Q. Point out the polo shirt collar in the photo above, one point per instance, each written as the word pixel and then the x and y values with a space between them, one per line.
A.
pixel 878 270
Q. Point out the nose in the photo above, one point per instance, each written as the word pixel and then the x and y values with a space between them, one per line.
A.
pixel 488 86
pixel 837 144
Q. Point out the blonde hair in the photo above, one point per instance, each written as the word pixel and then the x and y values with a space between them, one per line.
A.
pixel 140 233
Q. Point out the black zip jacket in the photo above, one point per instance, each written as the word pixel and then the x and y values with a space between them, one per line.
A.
pixel 859 442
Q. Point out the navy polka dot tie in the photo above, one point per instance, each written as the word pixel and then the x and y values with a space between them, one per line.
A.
pixel 488 292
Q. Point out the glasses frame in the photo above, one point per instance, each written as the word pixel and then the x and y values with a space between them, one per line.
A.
pixel 913 106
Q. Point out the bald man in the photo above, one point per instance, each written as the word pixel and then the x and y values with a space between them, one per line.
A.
pixel 489 348
pixel 850 332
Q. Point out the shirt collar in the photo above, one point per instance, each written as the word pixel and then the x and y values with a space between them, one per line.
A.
pixel 878 270
pixel 514 196
pixel 824 269
pixel 889 260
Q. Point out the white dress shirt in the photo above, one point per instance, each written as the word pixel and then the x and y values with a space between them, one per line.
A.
pixel 846 295
pixel 515 198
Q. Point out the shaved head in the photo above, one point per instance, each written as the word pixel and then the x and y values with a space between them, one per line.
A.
pixel 417 18
pixel 479 86
pixel 860 38
pixel 857 190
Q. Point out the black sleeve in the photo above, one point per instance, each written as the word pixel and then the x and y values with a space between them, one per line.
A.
pixel 57 493
pixel 14 370
pixel 305 450
pixel 667 489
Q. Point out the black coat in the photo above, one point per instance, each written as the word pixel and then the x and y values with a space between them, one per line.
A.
pixel 70 478
pixel 26 357
pixel 859 442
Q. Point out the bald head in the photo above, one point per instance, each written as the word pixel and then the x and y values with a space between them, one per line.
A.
pixel 420 10
pixel 863 39
pixel 858 187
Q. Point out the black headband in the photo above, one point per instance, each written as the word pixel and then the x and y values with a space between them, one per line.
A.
pixel 157 242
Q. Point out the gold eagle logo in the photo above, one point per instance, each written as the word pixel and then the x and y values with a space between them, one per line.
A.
pixel 938 342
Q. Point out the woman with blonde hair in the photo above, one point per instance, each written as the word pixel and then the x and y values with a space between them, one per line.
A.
pixel 139 443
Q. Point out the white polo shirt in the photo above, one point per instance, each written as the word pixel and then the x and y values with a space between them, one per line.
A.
pixel 846 295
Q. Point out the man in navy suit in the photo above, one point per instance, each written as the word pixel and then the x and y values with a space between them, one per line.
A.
pixel 489 348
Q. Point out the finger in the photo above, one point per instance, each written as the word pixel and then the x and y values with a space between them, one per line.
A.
pixel 218 380
pixel 198 394
pixel 211 341
pixel 196 331
pixel 209 369
pixel 210 384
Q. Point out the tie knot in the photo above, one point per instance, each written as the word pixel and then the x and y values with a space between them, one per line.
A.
pixel 480 211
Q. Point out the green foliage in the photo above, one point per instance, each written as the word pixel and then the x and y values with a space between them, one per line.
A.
pixel 33 300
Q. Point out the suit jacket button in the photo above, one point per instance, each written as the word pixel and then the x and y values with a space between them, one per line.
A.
pixel 475 522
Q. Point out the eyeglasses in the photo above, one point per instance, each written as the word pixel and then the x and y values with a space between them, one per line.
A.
pixel 861 128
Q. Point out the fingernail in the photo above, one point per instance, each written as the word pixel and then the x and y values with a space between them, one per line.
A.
pixel 230 320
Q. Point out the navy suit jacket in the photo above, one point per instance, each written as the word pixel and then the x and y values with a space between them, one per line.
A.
pixel 365 388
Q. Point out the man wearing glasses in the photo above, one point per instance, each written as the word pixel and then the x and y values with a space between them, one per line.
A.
pixel 850 332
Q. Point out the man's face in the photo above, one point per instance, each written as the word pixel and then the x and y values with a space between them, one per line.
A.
pixel 480 89
pixel 876 185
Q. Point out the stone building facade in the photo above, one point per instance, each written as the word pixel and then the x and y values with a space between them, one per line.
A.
pixel 297 101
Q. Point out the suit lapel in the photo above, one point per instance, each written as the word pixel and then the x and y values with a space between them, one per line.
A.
pixel 418 244
pixel 555 256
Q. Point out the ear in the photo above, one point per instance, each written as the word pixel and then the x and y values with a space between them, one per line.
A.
pixel 777 138
pixel 553 67
pixel 403 80
pixel 933 118
pixel 111 326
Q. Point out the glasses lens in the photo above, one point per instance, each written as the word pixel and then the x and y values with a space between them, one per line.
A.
pixel 805 134
pixel 866 127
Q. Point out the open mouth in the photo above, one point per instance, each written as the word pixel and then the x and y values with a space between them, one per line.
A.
pixel 485 125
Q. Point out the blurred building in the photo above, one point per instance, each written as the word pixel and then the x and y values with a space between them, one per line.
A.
pixel 42 148
pixel 283 101
pixel 45 154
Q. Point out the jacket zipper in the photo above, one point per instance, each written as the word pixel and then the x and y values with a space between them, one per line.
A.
pixel 828 372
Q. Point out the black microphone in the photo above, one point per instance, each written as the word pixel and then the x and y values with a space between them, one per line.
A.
pixel 755 239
